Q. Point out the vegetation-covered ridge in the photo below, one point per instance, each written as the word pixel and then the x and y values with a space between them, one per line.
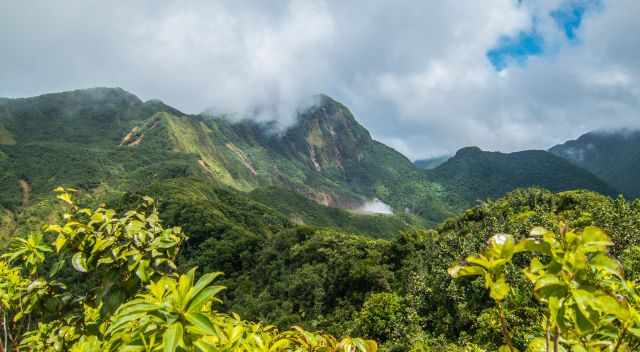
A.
pixel 108 141
pixel 614 156
pixel 478 175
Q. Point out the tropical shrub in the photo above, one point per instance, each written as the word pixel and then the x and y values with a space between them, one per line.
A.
pixel 587 304
pixel 123 292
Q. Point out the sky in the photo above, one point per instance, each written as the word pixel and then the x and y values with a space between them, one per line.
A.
pixel 425 77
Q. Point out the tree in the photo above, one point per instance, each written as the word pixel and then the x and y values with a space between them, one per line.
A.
pixel 123 292
pixel 588 305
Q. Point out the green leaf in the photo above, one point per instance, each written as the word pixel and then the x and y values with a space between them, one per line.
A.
pixel 583 323
pixel 607 264
pixel 538 344
pixel 531 245
pixel 465 270
pixel 104 260
pixel 501 246
pixel 203 282
pixel 548 286
pixel 201 322
pixel 65 197
pixel 172 337
pixel 480 261
pixel 499 289
pixel 594 239
pixel 79 262
pixel 609 305
pixel 61 240
pixel 635 332
pixel 141 271
pixel 206 295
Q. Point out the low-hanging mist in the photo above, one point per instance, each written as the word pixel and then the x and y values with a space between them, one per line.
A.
pixel 375 206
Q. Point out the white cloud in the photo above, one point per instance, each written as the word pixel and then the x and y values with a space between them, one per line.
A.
pixel 414 73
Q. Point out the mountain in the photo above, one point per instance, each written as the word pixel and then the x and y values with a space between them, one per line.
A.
pixel 107 141
pixel 614 156
pixel 478 174
pixel 431 163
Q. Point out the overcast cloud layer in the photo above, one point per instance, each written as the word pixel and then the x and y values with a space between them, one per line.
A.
pixel 415 73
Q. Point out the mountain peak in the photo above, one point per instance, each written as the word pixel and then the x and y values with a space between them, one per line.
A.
pixel 468 151
pixel 327 134
pixel 96 95
pixel 322 106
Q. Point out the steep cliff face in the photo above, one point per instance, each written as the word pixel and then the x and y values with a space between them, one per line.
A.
pixel 327 136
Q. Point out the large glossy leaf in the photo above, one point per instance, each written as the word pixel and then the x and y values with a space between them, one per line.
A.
pixel 607 264
pixel 499 289
pixel 172 337
pixel 609 305
pixel 60 241
pixel 79 262
pixel 457 271
pixel 206 295
pixel 203 282
pixel 201 322
pixel 594 239
pixel 548 286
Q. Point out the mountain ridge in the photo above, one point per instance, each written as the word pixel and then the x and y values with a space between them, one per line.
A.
pixel 479 174
pixel 109 140
pixel 109 137
pixel 614 156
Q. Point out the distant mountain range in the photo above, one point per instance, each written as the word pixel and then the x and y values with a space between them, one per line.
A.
pixel 431 163
pixel 614 156
pixel 478 174
pixel 106 141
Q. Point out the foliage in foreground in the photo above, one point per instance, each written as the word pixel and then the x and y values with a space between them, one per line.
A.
pixel 123 292
pixel 587 304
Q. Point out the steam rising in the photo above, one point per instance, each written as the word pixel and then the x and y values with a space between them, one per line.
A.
pixel 376 206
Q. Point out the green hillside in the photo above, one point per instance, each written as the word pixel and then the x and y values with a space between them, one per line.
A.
pixel 303 211
pixel 107 141
pixel 252 201
pixel 614 156
pixel 395 290
pixel 478 175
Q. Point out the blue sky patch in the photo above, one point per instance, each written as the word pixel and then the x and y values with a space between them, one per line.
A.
pixel 516 49
pixel 569 17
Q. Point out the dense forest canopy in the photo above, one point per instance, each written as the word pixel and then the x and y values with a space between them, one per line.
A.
pixel 396 291
pixel 282 216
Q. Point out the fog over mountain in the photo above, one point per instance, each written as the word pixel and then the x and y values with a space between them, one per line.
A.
pixel 425 78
